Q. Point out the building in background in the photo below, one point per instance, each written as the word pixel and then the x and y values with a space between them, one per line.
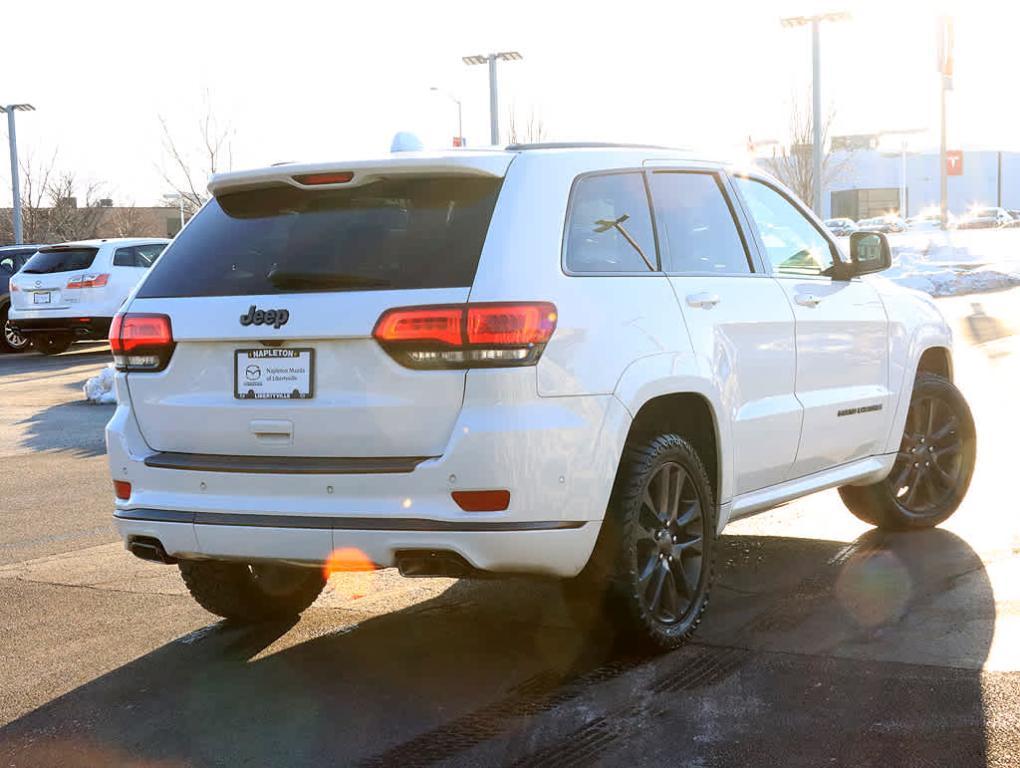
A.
pixel 866 181
pixel 107 220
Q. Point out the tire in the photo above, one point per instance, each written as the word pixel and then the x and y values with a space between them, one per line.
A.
pixel 249 593
pixel 9 340
pixel 933 467
pixel 651 570
pixel 51 343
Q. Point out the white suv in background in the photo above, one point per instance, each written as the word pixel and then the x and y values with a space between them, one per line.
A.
pixel 576 361
pixel 70 292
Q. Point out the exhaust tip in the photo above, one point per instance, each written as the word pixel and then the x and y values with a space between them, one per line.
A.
pixel 426 563
pixel 148 548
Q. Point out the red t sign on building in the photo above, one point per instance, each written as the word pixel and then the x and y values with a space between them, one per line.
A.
pixel 954 162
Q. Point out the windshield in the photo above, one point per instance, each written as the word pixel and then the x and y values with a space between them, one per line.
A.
pixel 394 233
pixel 60 260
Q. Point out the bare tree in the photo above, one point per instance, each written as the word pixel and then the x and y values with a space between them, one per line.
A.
pixel 126 221
pixel 187 165
pixel 792 163
pixel 530 132
pixel 55 207
pixel 74 212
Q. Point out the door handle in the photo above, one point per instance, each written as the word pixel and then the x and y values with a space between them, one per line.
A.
pixel 808 300
pixel 703 300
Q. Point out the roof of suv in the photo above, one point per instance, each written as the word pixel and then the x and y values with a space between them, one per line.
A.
pixel 482 161
pixel 99 242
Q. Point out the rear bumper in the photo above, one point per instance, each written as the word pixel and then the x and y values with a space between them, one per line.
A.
pixel 556 456
pixel 78 326
pixel 506 548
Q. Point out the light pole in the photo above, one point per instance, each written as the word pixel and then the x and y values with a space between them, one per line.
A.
pixel 460 114
pixel 816 93
pixel 179 199
pixel 10 109
pixel 902 133
pixel 491 60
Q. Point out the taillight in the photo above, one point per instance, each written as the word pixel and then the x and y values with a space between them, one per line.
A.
pixel 88 281
pixel 467 336
pixel 141 342
pixel 13 287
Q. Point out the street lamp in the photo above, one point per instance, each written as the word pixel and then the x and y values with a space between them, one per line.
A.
pixel 176 197
pixel 816 92
pixel 491 60
pixel 10 109
pixel 902 133
pixel 460 113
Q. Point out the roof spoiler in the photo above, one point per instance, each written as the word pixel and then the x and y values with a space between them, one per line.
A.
pixel 358 172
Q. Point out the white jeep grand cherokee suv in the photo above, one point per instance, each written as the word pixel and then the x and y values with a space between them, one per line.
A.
pixel 577 361
pixel 70 292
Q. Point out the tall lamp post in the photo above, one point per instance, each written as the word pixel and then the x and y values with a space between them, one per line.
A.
pixel 816 93
pixel 10 109
pixel 460 113
pixel 491 60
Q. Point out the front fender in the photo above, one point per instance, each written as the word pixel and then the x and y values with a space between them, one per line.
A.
pixel 915 326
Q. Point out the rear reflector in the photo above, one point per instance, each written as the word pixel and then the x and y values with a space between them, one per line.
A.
pixel 141 342
pixel 482 501
pixel 122 489
pixel 467 336
pixel 312 179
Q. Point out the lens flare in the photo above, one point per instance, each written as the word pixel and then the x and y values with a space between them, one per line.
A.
pixel 347 560
pixel 874 588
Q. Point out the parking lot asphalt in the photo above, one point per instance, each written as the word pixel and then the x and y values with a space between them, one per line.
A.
pixel 826 642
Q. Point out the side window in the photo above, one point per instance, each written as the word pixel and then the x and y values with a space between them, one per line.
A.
pixel 146 255
pixel 124 257
pixel 8 266
pixel 792 244
pixel 142 256
pixel 697 231
pixel 609 226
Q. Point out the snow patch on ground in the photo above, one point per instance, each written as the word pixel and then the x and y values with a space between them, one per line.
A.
pixel 99 389
pixel 956 262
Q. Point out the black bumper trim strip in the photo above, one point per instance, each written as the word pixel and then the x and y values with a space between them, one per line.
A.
pixel 283 465
pixel 329 522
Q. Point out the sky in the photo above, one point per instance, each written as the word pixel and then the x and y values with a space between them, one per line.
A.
pixel 328 81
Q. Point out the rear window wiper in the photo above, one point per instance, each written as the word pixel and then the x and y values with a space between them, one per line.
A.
pixel 286 278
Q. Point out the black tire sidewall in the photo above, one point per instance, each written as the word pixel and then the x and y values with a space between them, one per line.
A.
pixel 877 503
pixel 4 346
pixel 51 344
pixel 641 461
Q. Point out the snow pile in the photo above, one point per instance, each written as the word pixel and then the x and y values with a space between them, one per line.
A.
pixel 956 262
pixel 99 389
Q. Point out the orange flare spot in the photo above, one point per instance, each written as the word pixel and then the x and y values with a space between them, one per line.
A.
pixel 346 560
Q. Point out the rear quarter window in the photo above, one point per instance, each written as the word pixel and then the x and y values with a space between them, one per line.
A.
pixel 403 232
pixel 609 225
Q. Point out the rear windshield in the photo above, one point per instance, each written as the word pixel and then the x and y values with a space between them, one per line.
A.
pixel 393 233
pixel 60 260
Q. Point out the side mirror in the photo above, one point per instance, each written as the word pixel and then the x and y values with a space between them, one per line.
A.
pixel 869 252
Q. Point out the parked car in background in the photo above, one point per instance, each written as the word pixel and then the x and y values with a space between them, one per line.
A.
pixel 70 292
pixel 926 221
pixel 12 258
pixel 1016 219
pixel 887 223
pixel 985 218
pixel 841 227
